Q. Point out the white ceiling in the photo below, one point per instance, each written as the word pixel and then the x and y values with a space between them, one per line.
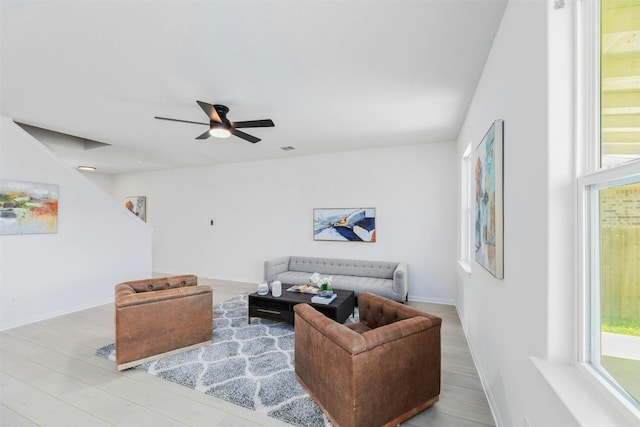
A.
pixel 332 75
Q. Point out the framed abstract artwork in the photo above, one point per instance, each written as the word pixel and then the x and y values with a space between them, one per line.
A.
pixel 488 165
pixel 345 224
pixel 28 208
pixel 137 205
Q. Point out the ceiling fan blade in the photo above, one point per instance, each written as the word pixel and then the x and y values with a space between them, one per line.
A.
pixel 245 136
pixel 181 121
pixel 204 135
pixel 267 123
pixel 210 111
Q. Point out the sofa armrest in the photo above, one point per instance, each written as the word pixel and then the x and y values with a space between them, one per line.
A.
pixel 275 266
pixel 401 279
pixel 124 299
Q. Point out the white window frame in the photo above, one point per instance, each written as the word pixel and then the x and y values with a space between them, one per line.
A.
pixel 466 209
pixel 589 276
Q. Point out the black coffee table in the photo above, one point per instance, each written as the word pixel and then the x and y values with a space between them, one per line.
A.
pixel 281 308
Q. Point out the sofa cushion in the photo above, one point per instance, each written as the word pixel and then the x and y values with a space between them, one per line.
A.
pixel 346 267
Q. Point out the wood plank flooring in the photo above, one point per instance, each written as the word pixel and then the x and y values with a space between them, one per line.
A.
pixel 51 376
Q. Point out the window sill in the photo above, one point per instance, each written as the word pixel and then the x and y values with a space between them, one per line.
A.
pixel 465 265
pixel 591 402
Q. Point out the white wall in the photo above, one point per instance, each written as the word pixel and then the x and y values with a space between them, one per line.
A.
pixel 98 243
pixel 528 313
pixel 104 181
pixel 264 209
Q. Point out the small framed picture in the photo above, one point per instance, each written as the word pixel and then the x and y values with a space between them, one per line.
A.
pixel 137 205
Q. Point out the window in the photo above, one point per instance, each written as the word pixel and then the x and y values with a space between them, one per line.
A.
pixel 610 191
pixel 465 210
pixel 614 298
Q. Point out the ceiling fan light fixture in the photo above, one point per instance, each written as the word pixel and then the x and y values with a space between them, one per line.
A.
pixel 219 132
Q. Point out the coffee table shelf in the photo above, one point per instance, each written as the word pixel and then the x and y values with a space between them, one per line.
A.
pixel 281 308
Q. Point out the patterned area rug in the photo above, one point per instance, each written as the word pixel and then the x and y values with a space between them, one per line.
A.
pixel 250 365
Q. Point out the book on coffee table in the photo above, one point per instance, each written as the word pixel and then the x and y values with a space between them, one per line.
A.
pixel 307 289
pixel 317 299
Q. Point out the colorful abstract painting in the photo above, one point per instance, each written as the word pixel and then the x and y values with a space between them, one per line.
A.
pixel 137 205
pixel 28 208
pixel 345 224
pixel 488 201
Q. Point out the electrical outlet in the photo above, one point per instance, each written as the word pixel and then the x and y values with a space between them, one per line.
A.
pixel 13 300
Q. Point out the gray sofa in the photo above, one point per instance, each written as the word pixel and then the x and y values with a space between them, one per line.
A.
pixel 387 279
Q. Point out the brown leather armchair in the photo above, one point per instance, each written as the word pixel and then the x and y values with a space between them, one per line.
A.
pixel 158 317
pixel 379 371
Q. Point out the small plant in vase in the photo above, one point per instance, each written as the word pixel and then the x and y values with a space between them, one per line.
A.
pixel 325 290
pixel 323 283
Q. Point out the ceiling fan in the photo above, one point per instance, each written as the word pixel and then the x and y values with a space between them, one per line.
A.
pixel 220 126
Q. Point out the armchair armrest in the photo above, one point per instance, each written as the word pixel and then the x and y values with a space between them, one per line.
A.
pixel 401 279
pixel 334 332
pixel 275 266
pixel 123 290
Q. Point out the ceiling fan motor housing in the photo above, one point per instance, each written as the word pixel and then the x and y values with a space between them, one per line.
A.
pixel 222 112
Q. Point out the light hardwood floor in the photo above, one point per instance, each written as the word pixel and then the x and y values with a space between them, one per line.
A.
pixel 51 376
